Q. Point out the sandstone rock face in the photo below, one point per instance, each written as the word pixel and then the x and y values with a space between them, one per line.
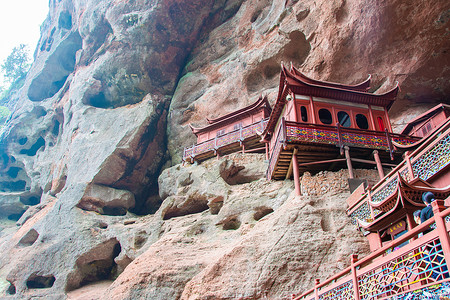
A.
pixel 342 41
pixel 90 189
pixel 202 255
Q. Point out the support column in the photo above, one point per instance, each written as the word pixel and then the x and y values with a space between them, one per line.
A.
pixel 296 174
pixel 311 108
pixel 267 151
pixel 371 118
pixel 409 166
pixel 379 166
pixel 316 289
pixel 438 206
pixel 354 259
pixel 349 162
pixel 411 223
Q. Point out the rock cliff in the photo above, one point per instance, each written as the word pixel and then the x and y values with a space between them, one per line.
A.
pixel 88 167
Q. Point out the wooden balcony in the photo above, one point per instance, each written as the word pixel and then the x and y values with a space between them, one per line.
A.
pixel 323 144
pixel 243 139
pixel 410 177
pixel 395 269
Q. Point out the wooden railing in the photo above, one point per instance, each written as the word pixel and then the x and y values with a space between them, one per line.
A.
pixel 280 142
pixel 238 135
pixel 395 269
pixel 337 135
pixel 425 162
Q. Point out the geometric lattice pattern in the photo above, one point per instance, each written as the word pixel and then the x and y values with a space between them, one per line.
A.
pixel 425 264
pixel 341 292
pixel 385 190
pixel 311 135
pixel 437 291
pixel 330 136
pixel 399 278
pixel 362 213
pixel 433 160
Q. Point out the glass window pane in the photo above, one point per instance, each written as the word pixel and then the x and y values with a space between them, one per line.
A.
pixel 325 116
pixel 304 114
pixel 361 121
pixel 344 119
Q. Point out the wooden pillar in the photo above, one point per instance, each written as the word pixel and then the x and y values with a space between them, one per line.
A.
pixel 267 151
pixel 354 259
pixel 411 223
pixel 379 166
pixel 296 174
pixel 349 162
pixel 438 206
pixel 372 121
pixel 311 107
pixel 316 289
pixel 388 122
pixel 409 166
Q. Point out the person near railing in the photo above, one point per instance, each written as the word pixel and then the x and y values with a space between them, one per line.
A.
pixel 434 256
pixel 416 215
pixel 427 212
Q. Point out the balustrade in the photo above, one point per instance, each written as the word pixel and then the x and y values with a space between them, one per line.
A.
pixel 235 136
pixel 425 162
pixel 394 271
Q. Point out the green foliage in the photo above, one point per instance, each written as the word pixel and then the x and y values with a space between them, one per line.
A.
pixel 14 68
pixel 16 65
pixel 4 114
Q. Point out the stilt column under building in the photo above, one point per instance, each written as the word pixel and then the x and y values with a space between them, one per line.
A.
pixel 349 162
pixel 296 173
pixel 379 166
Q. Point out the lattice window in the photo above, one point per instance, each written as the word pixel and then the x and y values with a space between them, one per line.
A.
pixel 425 264
pixel 433 160
pixel 341 292
pixel 385 191
pixel 362 213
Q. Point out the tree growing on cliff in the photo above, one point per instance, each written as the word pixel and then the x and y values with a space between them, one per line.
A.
pixel 14 68
pixel 16 65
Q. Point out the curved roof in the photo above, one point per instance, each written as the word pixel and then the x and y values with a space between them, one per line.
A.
pixel 362 87
pixel 299 83
pixel 406 196
pixel 261 103
pixel 426 115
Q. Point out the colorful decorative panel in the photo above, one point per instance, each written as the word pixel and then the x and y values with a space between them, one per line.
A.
pixel 385 190
pixel 311 135
pixel 436 291
pixel 403 140
pixel 405 174
pixel 341 292
pixel 299 133
pixel 425 264
pixel 362 213
pixel 365 140
pixel 434 160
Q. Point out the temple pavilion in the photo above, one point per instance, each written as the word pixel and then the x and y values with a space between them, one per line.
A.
pixel 407 259
pixel 235 131
pixel 318 125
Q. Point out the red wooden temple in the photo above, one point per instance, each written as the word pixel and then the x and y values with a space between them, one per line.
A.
pixel 314 123
pixel 428 121
pixel 406 259
pixel 236 131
